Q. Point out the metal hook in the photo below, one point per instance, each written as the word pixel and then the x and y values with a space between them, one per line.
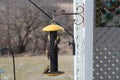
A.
pixel 80 22
pixel 80 14
pixel 81 9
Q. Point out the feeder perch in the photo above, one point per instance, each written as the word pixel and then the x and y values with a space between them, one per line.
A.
pixel 53 51
pixel 54 73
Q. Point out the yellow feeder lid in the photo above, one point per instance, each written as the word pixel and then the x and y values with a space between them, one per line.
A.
pixel 53 27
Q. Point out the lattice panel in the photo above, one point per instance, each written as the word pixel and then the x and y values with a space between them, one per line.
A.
pixel 106 54
pixel 106 63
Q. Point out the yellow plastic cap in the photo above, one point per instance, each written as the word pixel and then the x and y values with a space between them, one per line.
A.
pixel 53 27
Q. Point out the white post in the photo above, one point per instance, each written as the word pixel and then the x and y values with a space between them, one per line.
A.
pixel 89 24
pixel 79 37
pixel 83 35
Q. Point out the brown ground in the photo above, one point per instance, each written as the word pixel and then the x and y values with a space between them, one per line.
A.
pixel 31 68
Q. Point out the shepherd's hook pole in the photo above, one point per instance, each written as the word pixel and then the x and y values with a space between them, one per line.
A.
pixel 13 63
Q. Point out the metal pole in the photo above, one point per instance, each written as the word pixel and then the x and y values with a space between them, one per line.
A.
pixel 13 58
pixel 13 63
pixel 14 67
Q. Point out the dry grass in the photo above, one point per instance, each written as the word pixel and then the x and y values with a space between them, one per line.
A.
pixel 31 68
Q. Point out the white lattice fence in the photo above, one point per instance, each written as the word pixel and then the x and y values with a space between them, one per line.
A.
pixel 107 53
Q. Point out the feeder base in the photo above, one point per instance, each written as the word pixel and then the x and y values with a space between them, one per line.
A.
pixel 54 73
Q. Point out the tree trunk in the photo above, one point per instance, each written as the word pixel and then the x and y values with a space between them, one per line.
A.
pixel 21 49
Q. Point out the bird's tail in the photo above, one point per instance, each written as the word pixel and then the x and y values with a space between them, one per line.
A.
pixel 46 70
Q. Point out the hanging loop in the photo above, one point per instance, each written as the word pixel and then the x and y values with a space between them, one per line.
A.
pixel 79 19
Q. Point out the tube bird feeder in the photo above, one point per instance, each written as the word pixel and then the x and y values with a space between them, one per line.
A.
pixel 53 51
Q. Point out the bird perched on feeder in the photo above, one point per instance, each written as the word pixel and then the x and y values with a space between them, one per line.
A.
pixel 46 69
pixel 57 40
pixel 47 53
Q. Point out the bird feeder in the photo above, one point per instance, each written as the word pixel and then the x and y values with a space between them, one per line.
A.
pixel 53 53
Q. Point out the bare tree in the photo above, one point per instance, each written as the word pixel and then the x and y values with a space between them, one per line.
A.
pixel 23 25
pixel 26 27
pixel 25 22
